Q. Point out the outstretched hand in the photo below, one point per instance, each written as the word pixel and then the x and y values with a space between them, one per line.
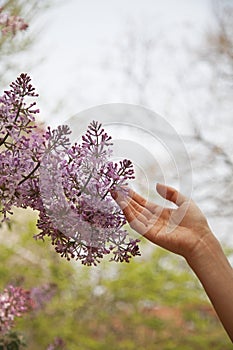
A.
pixel 178 230
pixel 184 231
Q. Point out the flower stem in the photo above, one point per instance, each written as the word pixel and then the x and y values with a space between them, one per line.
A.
pixel 30 174
pixel 86 183
pixel 16 117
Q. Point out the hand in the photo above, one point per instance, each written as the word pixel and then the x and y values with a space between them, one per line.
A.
pixel 185 231
pixel 178 230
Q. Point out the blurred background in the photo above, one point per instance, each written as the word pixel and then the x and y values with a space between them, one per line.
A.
pixel 175 58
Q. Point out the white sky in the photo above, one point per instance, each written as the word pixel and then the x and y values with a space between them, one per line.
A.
pixel 79 36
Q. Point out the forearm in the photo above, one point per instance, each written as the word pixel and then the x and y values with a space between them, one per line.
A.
pixel 215 273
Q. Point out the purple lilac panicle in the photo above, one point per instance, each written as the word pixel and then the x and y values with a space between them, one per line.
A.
pixel 11 24
pixel 76 192
pixel 22 145
pixel 69 185
pixel 14 301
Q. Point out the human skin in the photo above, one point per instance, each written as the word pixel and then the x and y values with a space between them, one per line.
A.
pixel 185 231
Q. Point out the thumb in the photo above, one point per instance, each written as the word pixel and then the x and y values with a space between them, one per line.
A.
pixel 171 194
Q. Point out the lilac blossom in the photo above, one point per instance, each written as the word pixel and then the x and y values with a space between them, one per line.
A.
pixel 11 24
pixel 14 301
pixel 69 185
pixel 80 216
pixel 22 146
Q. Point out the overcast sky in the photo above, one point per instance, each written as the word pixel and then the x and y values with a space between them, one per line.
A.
pixel 79 37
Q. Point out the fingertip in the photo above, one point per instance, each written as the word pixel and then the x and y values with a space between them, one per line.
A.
pixel 167 192
pixel 158 184
pixel 171 194
pixel 161 189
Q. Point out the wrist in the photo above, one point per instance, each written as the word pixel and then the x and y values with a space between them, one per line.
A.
pixel 215 273
pixel 206 251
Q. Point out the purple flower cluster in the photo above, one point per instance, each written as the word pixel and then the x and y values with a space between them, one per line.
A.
pixel 11 24
pixel 22 145
pixel 14 301
pixel 70 186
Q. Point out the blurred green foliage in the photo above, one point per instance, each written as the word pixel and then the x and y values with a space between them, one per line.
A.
pixel 155 302
pixel 12 341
